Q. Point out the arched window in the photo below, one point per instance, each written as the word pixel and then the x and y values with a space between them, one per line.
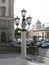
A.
pixel 3 11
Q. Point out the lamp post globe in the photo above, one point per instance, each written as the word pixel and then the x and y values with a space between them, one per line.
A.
pixel 23 12
pixel 29 19
pixel 17 19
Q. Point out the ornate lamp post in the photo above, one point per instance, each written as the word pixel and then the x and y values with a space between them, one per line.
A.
pixel 25 21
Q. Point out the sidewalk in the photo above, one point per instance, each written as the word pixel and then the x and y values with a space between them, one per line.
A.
pixel 17 61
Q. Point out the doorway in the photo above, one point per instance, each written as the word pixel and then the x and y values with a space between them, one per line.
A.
pixel 3 37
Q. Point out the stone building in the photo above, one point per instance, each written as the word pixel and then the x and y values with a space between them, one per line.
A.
pixel 6 20
pixel 40 31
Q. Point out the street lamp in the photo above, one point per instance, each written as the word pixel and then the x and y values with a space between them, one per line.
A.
pixel 25 21
pixel 17 21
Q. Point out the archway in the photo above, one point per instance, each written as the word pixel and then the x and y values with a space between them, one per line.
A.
pixel 3 37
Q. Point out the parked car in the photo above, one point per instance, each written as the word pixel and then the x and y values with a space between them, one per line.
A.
pixel 39 43
pixel 47 41
pixel 19 41
pixel 45 44
pixel 27 43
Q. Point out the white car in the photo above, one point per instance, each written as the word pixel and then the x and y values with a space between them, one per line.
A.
pixel 45 44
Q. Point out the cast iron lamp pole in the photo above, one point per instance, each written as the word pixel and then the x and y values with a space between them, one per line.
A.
pixel 25 21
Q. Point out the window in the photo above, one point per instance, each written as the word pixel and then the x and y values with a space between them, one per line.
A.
pixel 2 23
pixel 3 11
pixel 3 1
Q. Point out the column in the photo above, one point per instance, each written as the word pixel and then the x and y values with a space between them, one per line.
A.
pixel 23 44
pixel 45 35
pixel 13 38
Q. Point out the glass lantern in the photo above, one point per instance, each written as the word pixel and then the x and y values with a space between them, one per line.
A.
pixel 29 19
pixel 23 12
pixel 17 19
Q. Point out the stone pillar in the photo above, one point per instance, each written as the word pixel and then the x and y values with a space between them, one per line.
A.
pixel 45 35
pixel 11 30
pixel 23 44
pixel 13 37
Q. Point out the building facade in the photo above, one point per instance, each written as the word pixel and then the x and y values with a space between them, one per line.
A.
pixel 40 31
pixel 6 20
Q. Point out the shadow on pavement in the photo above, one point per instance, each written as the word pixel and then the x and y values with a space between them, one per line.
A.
pixel 41 58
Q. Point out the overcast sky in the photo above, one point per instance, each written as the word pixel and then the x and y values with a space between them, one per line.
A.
pixel 37 9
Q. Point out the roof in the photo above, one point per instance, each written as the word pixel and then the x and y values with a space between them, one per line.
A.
pixel 38 22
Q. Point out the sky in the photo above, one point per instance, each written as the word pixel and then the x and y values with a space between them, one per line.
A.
pixel 37 9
